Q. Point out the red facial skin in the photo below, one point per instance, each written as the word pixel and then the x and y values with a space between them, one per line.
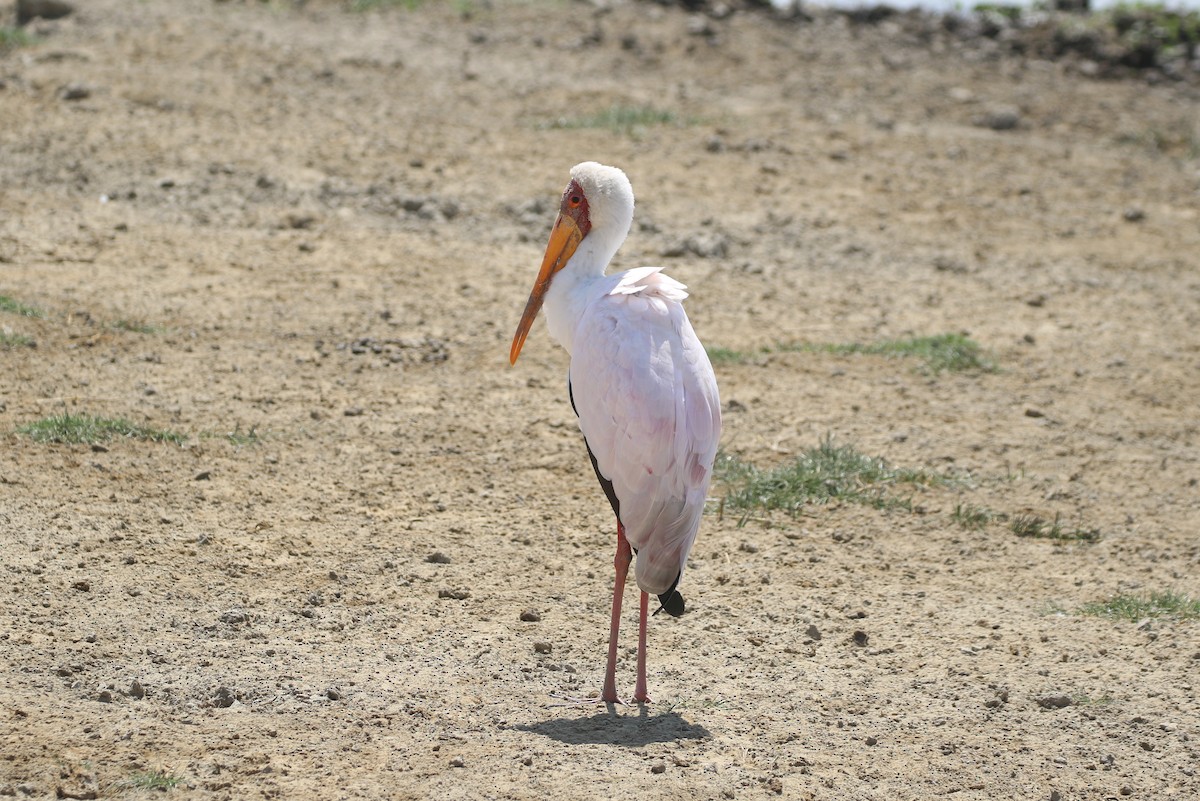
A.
pixel 575 205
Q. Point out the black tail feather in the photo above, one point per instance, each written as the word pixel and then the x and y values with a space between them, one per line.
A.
pixel 671 600
pixel 672 603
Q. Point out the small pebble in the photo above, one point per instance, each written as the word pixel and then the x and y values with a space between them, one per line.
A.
pixel 136 690
pixel 438 558
pixel 812 632
pixel 457 762
pixel 105 696
pixel 75 91
pixel 82 586
pixel 860 638
pixel 658 767
pixel 530 616
pixel 333 694
pixel 1054 701
pixel 1001 118
pixel 223 697
pixel 543 647
pixel 457 595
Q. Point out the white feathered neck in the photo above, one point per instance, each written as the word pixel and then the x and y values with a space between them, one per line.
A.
pixel 610 209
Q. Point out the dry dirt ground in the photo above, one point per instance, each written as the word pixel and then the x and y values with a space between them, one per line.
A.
pixel 302 237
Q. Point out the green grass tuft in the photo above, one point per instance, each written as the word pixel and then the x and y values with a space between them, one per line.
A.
pixel 135 326
pixel 10 341
pixel 973 517
pixel 1039 528
pixel 240 438
pixel 372 5
pixel 953 353
pixel 12 37
pixel 821 474
pixel 154 780
pixel 12 306
pixel 86 428
pixel 719 355
pixel 618 119
pixel 1156 604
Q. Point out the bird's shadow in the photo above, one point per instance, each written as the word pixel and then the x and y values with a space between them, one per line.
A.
pixel 610 728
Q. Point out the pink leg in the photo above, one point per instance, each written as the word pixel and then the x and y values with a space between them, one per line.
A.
pixel 621 565
pixel 640 694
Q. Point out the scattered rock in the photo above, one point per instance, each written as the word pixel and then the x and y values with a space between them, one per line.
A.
pixel 82 585
pixel 658 767
pixel 354 411
pixel 28 10
pixel 705 245
pixel 457 762
pixel 235 617
pixel 75 91
pixel 1000 118
pixel 812 632
pixel 457 595
pixel 333 694
pixel 1034 413
pixel 438 558
pixel 860 638
pixel 203 475
pixel 1133 214
pixel 530 616
pixel 299 221
pixel 700 25
pixel 105 696
pixel 542 647
pixel 411 350
pixel 136 690
pixel 223 698
pixel 1054 701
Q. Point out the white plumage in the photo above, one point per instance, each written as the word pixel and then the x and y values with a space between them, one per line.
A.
pixel 648 408
pixel 640 380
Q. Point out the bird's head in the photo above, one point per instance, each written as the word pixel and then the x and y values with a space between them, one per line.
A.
pixel 596 208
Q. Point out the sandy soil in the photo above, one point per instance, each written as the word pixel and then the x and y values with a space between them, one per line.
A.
pixel 314 230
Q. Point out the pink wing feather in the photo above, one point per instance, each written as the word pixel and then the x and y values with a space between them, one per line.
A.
pixel 648 406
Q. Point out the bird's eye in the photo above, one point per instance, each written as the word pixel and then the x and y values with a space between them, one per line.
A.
pixel 575 200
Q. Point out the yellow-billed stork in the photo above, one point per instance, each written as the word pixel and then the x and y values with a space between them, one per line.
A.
pixel 642 386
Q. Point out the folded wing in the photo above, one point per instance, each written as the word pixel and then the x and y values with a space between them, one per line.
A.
pixel 648 406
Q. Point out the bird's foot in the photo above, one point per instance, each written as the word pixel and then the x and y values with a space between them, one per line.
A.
pixel 614 700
